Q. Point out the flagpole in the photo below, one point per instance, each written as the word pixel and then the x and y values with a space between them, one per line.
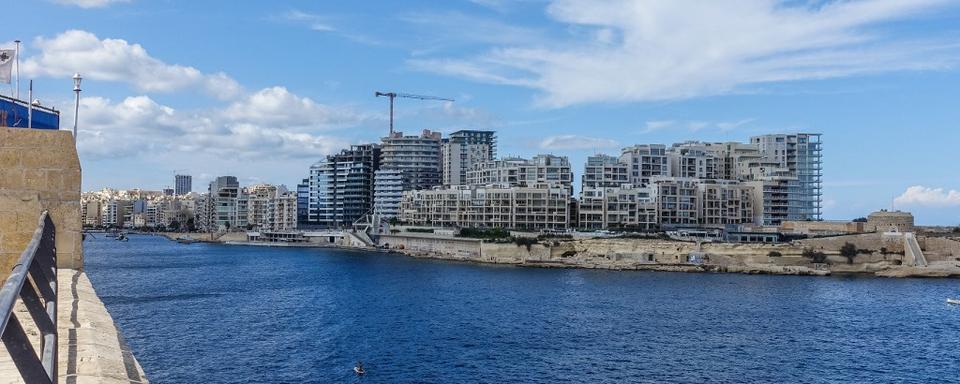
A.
pixel 18 67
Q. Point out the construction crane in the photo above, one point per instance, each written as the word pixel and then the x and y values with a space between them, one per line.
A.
pixel 393 95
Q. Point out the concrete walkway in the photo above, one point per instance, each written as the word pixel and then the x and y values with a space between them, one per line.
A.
pixel 91 349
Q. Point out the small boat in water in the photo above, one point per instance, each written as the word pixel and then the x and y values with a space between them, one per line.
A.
pixel 953 301
pixel 359 369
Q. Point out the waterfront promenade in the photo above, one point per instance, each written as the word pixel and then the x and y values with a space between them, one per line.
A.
pixel 91 349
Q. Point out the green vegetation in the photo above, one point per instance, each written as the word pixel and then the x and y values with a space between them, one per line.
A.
pixel 525 241
pixel 774 254
pixel 849 251
pixel 956 230
pixel 860 220
pixel 484 233
pixel 815 256
pixel 420 230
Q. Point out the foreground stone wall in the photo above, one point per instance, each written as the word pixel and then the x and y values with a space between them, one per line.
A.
pixel 39 169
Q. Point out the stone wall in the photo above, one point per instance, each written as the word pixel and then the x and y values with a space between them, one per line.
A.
pixel 871 241
pixel 39 170
pixel 432 244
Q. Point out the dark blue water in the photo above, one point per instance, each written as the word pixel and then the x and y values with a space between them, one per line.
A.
pixel 204 313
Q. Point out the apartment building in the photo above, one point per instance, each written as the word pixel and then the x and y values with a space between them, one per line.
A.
pixel 388 192
pixel 691 202
pixel 183 184
pixel 623 207
pixel 534 207
pixel 340 188
pixel 645 161
pixel 604 171
pixel 801 156
pixel 462 150
pixel 516 171
pixel 418 157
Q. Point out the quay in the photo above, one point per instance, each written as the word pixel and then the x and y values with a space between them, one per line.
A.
pixel 55 327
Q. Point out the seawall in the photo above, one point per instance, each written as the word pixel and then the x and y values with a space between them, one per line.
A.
pixel 677 256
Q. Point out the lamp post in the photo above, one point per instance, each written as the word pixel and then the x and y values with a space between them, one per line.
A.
pixel 76 110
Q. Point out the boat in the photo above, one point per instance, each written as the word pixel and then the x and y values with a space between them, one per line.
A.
pixel 358 369
pixel 122 237
pixel 953 301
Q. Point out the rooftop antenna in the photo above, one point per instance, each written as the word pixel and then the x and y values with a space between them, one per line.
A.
pixel 393 95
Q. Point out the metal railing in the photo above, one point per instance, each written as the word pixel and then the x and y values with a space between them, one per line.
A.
pixel 34 280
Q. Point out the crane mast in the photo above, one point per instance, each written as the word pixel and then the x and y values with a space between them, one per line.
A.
pixel 394 95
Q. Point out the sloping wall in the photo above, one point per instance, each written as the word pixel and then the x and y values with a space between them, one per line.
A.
pixel 39 169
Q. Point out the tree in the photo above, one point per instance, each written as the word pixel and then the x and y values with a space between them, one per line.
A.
pixel 860 220
pixel 191 226
pixel 774 254
pixel 815 256
pixel 849 251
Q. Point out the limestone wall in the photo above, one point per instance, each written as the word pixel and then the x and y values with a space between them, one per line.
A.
pixel 39 169
pixel 940 249
pixel 872 241
pixel 424 244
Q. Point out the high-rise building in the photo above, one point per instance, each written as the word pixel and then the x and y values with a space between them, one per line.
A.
pixel 183 184
pixel 222 203
pixel 463 150
pixel 418 157
pixel 303 202
pixel 799 158
pixel 341 187
pixel 387 192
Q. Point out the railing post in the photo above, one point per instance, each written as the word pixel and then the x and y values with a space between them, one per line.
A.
pixel 34 280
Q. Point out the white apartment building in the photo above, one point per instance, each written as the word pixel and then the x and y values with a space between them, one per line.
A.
pixel 515 171
pixel 535 207
pixel 462 151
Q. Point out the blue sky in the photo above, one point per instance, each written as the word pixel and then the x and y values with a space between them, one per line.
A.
pixel 261 90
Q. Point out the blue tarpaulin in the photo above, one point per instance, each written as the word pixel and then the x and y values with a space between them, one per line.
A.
pixel 14 113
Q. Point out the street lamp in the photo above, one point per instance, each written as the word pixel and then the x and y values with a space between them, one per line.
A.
pixel 76 88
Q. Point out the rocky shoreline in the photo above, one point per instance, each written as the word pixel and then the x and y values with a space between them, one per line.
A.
pixel 637 255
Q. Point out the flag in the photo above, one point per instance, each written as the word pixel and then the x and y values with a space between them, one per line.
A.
pixel 6 64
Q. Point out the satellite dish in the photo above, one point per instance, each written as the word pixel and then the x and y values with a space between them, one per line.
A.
pixel 36 102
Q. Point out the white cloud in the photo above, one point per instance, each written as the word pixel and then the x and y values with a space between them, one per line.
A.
pixel 90 3
pixel 140 127
pixel 694 126
pixel 926 196
pixel 313 21
pixel 577 142
pixel 117 60
pixel 679 49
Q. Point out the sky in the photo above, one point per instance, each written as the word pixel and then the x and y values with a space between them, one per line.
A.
pixel 261 90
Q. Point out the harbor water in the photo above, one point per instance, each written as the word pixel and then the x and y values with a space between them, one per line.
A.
pixel 208 313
